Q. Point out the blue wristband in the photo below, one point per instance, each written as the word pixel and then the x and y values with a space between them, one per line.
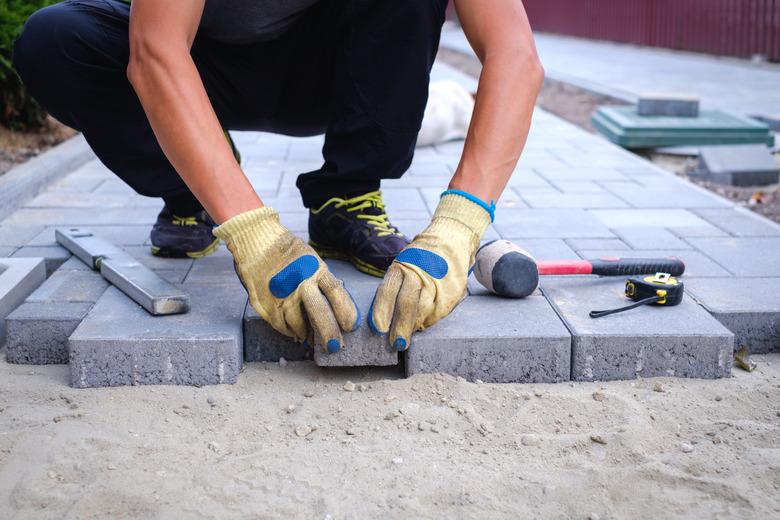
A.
pixel 490 208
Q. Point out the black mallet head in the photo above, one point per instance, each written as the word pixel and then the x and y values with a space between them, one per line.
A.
pixel 506 270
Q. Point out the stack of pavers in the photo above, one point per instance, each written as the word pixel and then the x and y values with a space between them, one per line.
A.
pixel 573 195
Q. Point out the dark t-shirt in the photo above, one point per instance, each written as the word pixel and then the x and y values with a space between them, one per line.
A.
pixel 249 21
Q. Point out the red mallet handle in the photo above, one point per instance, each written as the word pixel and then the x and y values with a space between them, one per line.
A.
pixel 612 266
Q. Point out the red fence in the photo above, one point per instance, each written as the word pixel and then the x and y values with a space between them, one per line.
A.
pixel 724 27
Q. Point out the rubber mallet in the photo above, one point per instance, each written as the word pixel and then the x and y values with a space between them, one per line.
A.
pixel 507 270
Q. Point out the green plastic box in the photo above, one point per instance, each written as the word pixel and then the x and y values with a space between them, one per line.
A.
pixel 624 126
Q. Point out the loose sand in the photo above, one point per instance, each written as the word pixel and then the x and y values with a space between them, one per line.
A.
pixel 291 442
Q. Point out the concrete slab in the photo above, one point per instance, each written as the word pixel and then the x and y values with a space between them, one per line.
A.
pixel 572 200
pixel 362 348
pixel 739 222
pixel 668 105
pixel 119 343
pixel 666 218
pixel 651 238
pixel 748 307
pixel 70 286
pixel 495 340
pixel 744 256
pixel 38 332
pixel 550 223
pixel 743 165
pixel 54 256
pixel 18 278
pixel 262 343
pixel 680 341
pixel 665 194
pixel 595 244
pixel 18 236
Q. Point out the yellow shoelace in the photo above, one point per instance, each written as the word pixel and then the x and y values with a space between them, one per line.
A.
pixel 184 221
pixel 369 200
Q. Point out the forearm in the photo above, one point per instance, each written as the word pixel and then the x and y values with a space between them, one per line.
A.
pixel 183 120
pixel 508 87
pixel 500 34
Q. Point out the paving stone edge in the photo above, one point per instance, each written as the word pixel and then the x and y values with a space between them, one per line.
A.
pixel 24 182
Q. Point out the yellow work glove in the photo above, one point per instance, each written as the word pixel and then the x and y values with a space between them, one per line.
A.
pixel 428 278
pixel 289 285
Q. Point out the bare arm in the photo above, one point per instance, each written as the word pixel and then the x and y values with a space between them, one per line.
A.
pixel 500 34
pixel 164 76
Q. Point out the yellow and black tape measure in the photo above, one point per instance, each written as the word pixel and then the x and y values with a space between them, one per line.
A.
pixel 660 289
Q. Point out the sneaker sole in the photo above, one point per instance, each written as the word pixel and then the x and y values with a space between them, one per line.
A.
pixel 359 264
pixel 178 253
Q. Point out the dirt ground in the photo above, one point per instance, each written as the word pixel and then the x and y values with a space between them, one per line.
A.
pixel 291 441
pixel 17 147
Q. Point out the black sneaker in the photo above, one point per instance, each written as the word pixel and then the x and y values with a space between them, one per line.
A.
pixel 356 229
pixel 183 237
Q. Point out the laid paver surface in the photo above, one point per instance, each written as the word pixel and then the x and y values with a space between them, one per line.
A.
pixel 627 71
pixel 573 195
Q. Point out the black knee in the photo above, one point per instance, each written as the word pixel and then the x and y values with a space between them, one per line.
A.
pixel 49 52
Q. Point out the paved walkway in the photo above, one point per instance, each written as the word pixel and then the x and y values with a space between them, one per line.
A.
pixel 573 195
pixel 625 71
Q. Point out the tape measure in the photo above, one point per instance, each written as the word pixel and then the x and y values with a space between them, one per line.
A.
pixel 659 289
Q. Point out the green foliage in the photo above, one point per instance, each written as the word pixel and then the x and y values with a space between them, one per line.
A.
pixel 17 109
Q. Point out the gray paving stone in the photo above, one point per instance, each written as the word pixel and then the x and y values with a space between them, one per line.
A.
pixel 578 186
pixel 54 256
pixel 362 348
pixel 547 248
pixel 668 105
pixel 495 340
pixel 740 165
pixel 580 173
pixel 119 343
pixel 262 343
pixel 651 238
pixel 81 216
pixel 666 218
pixel 17 235
pixel 676 195
pixel 215 268
pixel 69 199
pixel 748 307
pixel 572 200
pixel 740 222
pixel 680 341
pixel 550 223
pixel 80 182
pixel 595 244
pixel 144 255
pixel 38 332
pixel 18 278
pixel 696 263
pixel 706 230
pixel 70 286
pixel 524 180
pixel 73 264
pixel 117 235
pixel 746 256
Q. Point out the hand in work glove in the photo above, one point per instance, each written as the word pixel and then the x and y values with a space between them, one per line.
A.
pixel 289 285
pixel 428 278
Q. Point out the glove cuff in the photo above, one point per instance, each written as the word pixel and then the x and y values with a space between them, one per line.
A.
pixel 464 210
pixel 251 233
